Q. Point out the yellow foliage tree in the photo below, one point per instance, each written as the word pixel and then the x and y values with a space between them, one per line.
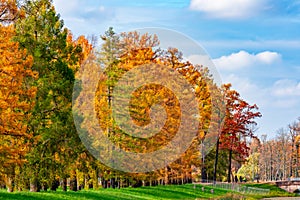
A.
pixel 137 50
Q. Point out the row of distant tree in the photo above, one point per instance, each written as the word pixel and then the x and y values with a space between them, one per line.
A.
pixel 275 158
pixel 40 62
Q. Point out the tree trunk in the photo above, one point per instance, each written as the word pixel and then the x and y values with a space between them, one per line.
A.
pixel 291 160
pixel 229 166
pixel 64 184
pixel 34 185
pixel 203 168
pixel 271 165
pixel 166 178
pixel 297 159
pixel 10 184
pixel 44 187
pixel 73 184
pixel 216 161
pixel 54 185
pixel 104 183
pixel 119 183
pixel 203 174
pixel 86 186
pixel 78 183
pixel 112 183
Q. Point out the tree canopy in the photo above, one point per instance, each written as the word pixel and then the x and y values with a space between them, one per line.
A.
pixel 47 78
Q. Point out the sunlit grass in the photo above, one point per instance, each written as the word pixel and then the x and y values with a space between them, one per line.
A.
pixel 144 193
pixel 274 190
pixel 158 192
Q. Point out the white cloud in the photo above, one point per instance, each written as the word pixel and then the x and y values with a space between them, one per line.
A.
pixel 268 57
pixel 275 101
pixel 286 88
pixel 289 44
pixel 228 8
pixel 244 59
pixel 282 94
pixel 84 17
pixel 247 89
pixel 66 8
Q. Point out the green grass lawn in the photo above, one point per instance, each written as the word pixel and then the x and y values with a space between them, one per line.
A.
pixel 159 192
pixel 274 190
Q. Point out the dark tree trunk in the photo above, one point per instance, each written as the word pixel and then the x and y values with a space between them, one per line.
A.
pixel 54 185
pixel 112 183
pixel 64 184
pixel 229 166
pixel 104 184
pixel 203 174
pixel 118 183
pixel 203 167
pixel 80 186
pixel 73 184
pixel 91 185
pixel 216 161
pixel 271 165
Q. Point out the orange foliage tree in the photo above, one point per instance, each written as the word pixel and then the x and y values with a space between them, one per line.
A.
pixel 126 52
pixel 16 100
pixel 8 11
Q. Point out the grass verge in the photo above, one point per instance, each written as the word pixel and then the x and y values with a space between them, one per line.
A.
pixel 147 193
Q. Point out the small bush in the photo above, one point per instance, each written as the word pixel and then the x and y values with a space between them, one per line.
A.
pixel 297 191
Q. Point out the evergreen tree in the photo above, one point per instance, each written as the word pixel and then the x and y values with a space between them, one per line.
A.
pixel 41 32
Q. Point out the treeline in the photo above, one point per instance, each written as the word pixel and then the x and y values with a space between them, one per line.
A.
pixel 275 159
pixel 40 149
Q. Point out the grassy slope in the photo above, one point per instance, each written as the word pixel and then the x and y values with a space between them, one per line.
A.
pixel 159 192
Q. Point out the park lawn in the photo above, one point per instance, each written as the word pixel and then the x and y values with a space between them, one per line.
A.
pixel 158 192
pixel 145 193
pixel 274 190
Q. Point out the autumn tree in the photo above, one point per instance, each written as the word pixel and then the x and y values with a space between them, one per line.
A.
pixel 115 59
pixel 250 168
pixel 279 155
pixel 8 11
pixel 294 132
pixel 16 101
pixel 124 52
pixel 56 58
pixel 238 124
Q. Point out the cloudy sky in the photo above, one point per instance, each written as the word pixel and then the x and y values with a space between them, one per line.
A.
pixel 255 44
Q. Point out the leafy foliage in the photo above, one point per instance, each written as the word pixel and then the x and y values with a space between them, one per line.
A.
pixel 39 145
pixel 16 102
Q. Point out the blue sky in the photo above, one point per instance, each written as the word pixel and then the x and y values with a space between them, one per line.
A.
pixel 255 44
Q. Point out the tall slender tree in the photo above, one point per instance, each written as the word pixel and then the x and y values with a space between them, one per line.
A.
pixel 238 125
